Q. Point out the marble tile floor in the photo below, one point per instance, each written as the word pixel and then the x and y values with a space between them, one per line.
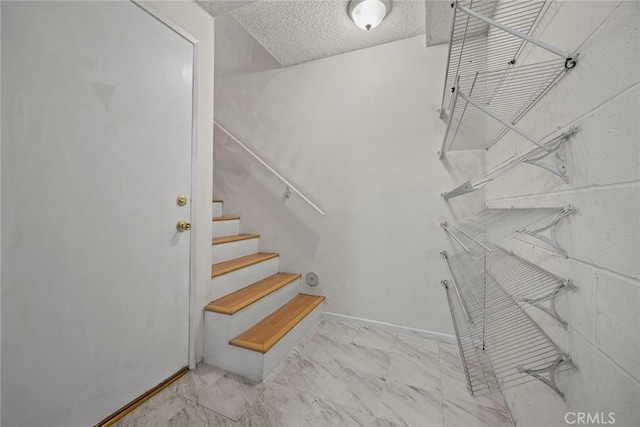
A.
pixel 339 375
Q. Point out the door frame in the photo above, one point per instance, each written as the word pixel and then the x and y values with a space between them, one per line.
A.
pixel 193 311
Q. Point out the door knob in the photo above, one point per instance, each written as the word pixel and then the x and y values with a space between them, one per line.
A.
pixel 183 226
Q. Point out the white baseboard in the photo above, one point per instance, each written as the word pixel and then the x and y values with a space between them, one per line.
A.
pixel 436 336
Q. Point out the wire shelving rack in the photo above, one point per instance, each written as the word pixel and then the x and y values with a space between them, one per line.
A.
pixel 503 95
pixel 492 229
pixel 490 85
pixel 548 158
pixel 473 47
pixel 525 282
pixel 500 345
pixel 489 91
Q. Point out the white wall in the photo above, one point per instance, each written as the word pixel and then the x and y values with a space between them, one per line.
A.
pixel 359 134
pixel 602 96
pixel 199 24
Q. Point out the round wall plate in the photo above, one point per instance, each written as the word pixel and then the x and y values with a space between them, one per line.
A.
pixel 312 279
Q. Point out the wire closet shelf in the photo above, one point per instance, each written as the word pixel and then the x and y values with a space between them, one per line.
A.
pixel 527 283
pixel 489 91
pixel 492 229
pixel 500 345
pixel 504 95
pixel 547 157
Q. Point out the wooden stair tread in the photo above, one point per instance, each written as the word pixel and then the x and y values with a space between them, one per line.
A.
pixel 266 333
pixel 225 218
pixel 238 263
pixel 244 297
pixel 233 238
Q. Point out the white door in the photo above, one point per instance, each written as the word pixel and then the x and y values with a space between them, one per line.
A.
pixel 96 146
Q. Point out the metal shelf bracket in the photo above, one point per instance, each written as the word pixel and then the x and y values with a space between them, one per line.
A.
pixel 552 240
pixel 556 166
pixel 563 286
pixel 551 371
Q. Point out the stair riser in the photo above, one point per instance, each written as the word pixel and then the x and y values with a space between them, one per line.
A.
pixel 222 327
pixel 278 352
pixel 249 316
pixel 231 282
pixel 227 251
pixel 250 364
pixel 217 209
pixel 237 360
pixel 226 228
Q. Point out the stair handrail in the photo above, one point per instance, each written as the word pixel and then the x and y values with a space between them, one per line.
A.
pixel 290 187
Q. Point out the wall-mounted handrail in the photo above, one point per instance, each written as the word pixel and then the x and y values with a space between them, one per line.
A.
pixel 290 187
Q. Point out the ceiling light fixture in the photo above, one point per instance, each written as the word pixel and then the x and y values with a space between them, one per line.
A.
pixel 368 14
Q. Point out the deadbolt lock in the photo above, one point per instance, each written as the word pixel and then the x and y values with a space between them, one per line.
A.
pixel 183 226
pixel 182 200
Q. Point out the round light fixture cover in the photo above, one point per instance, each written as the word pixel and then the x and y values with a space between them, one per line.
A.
pixel 368 14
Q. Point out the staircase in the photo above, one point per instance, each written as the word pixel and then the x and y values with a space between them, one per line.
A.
pixel 257 315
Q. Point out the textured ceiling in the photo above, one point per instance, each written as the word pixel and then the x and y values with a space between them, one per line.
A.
pixel 304 30
pixel 220 7
pixel 297 31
